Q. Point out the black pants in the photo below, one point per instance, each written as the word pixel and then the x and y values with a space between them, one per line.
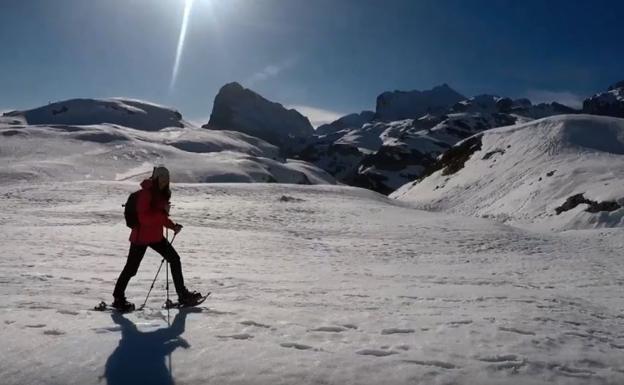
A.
pixel 135 255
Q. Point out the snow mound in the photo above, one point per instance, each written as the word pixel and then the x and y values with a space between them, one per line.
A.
pixel 526 173
pixel 124 112
pixel 111 152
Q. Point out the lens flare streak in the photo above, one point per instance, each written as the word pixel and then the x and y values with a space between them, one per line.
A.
pixel 185 20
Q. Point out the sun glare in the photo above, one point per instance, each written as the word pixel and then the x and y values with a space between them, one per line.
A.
pixel 185 19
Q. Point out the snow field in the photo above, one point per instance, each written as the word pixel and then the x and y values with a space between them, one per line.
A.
pixel 311 284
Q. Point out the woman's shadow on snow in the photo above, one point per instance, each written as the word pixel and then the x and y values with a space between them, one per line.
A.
pixel 141 357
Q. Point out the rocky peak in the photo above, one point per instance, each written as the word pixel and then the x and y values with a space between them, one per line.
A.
pixel 345 122
pixel 398 105
pixel 609 103
pixel 617 85
pixel 240 109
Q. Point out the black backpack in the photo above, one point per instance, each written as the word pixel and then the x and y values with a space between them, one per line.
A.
pixel 130 210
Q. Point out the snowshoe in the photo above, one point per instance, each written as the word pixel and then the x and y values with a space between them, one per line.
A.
pixel 188 300
pixel 103 306
pixel 120 304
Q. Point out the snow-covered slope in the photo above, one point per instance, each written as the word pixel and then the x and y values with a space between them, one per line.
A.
pixel 124 112
pixel 484 104
pixel 69 152
pixel 610 103
pixel 543 110
pixel 345 122
pixel 491 104
pixel 310 285
pixel 399 105
pixel 383 156
pixel 389 151
pixel 240 109
pixel 526 174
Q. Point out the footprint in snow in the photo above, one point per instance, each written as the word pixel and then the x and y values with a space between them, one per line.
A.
pixel 331 329
pixel 254 323
pixel 36 326
pixel 53 332
pixel 243 336
pixel 68 312
pixel 592 363
pixel 376 352
pixel 110 329
pixel 439 364
pixel 397 331
pixel 518 331
pixel 295 346
pixel 504 362
pixel 499 358
pixel 217 312
pixel 574 372
pixel 457 323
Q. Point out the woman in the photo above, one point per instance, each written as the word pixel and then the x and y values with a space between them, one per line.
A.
pixel 153 214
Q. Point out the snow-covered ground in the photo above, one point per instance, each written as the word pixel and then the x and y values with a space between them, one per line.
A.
pixel 522 174
pixel 311 285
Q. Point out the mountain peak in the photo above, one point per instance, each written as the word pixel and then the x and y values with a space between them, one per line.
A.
pixel 617 85
pixel 399 105
pixel 232 86
pixel 240 109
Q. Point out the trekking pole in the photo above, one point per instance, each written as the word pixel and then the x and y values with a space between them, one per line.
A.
pixel 154 281
pixel 167 286
pixel 151 287
pixel 168 301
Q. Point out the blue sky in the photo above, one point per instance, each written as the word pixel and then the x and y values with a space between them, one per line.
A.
pixel 327 56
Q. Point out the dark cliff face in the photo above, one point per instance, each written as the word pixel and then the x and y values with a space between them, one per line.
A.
pixel 609 103
pixel 240 109
pixel 352 121
pixel 399 105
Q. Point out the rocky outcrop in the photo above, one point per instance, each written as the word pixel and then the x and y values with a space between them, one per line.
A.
pixel 352 121
pixel 592 206
pixel 544 110
pixel 484 104
pixel 400 105
pixel 240 109
pixel 610 103
pixel 383 156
